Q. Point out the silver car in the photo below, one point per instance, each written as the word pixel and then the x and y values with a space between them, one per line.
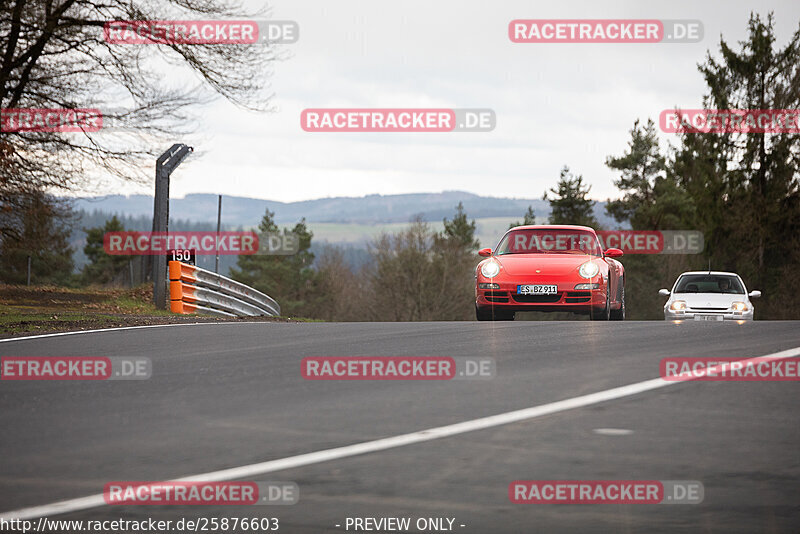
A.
pixel 708 296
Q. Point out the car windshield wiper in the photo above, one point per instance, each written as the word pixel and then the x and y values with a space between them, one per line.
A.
pixel 579 251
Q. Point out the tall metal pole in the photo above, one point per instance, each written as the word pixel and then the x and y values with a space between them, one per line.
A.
pixel 219 219
pixel 160 222
pixel 165 164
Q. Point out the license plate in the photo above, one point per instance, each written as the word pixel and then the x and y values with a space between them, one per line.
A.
pixel 537 289
pixel 708 317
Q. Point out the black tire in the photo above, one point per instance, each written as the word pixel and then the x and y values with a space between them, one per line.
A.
pixel 493 314
pixel 619 315
pixel 601 315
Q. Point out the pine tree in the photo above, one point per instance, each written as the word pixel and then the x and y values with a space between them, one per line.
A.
pixel 652 199
pixel 460 230
pixel 569 204
pixel 290 280
pixel 102 268
pixel 528 218
pixel 747 185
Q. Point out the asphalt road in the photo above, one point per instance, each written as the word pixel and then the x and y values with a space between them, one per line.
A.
pixel 231 394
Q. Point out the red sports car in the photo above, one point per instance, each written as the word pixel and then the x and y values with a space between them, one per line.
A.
pixel 550 268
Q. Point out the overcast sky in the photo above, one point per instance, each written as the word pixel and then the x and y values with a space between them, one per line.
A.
pixel 556 104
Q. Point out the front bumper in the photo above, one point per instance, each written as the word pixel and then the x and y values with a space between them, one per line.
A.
pixel 566 299
pixel 692 315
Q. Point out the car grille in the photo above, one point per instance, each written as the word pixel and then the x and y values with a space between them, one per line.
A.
pixel 537 298
pixel 708 309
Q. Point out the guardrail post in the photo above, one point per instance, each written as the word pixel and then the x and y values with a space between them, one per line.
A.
pixel 196 290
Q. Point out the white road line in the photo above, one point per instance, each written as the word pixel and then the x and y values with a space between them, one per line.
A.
pixel 421 436
pixel 115 329
pixel 613 431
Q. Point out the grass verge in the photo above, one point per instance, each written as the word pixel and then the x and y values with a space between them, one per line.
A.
pixel 48 309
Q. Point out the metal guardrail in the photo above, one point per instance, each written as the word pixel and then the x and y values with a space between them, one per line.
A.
pixel 195 290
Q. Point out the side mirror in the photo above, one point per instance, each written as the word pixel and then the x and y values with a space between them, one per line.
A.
pixel 613 253
pixel 663 292
pixel 485 252
pixel 754 294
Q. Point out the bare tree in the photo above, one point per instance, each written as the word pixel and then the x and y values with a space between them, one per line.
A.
pixel 344 290
pixel 421 275
pixel 53 55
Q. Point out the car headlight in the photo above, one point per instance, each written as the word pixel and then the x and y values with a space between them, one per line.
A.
pixel 739 306
pixel 490 269
pixel 588 269
pixel 678 305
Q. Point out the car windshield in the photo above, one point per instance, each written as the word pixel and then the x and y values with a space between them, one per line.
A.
pixel 549 241
pixel 709 283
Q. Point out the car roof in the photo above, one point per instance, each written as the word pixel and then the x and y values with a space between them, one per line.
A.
pixel 710 272
pixel 553 227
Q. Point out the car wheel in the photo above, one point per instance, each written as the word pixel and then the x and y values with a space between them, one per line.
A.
pixel 619 315
pixel 601 315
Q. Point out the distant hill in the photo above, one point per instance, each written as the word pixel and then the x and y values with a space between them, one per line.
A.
pixel 371 209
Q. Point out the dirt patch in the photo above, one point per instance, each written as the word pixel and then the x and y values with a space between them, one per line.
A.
pixel 38 310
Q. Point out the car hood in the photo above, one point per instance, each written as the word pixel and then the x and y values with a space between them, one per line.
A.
pixel 709 300
pixel 555 264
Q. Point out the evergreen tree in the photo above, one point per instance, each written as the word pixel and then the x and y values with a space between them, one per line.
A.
pixel 102 268
pixel 460 230
pixel 528 218
pixel 290 280
pixel 569 204
pixel 653 198
pixel 747 185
